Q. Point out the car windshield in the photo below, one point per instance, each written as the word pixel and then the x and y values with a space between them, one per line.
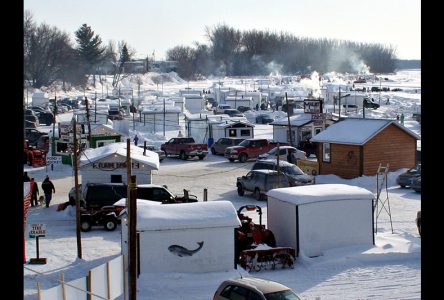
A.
pixel 292 170
pixel 282 295
pixel 245 143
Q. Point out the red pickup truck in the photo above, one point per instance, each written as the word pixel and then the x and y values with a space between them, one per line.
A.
pixel 184 148
pixel 249 148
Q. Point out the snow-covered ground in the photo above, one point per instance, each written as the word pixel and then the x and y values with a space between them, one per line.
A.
pixel 389 270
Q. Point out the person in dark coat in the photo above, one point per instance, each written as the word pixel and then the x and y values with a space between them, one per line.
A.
pixel 35 192
pixel 136 140
pixel 26 177
pixel 48 189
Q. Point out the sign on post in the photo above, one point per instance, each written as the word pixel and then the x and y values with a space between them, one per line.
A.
pixel 53 160
pixel 37 230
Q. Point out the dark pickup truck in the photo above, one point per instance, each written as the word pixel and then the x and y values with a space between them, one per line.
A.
pixel 184 147
pixel 249 148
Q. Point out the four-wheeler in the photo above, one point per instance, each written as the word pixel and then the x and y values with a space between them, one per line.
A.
pixel 105 216
pixel 33 156
pixel 255 246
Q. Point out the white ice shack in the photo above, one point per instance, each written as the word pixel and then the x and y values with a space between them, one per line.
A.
pixel 319 217
pixel 40 99
pixel 187 237
pixel 107 164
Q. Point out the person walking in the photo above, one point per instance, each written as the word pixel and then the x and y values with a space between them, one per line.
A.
pixel 136 140
pixel 26 177
pixel 402 119
pixel 48 189
pixel 35 192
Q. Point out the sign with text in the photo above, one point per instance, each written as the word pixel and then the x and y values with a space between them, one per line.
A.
pixel 321 116
pixel 114 165
pixel 37 230
pixel 53 160
pixel 313 106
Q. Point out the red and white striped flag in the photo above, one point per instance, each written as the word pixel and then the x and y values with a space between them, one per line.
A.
pixel 27 192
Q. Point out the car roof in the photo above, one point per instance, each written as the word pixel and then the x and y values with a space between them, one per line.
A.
pixel 274 162
pixel 263 285
pixel 265 171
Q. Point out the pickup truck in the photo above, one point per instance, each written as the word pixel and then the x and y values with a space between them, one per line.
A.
pixel 184 148
pixel 249 148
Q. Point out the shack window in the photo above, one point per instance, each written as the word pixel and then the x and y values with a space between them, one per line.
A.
pixel 61 147
pixel 116 178
pixel 245 132
pixel 293 135
pixel 232 133
pixel 326 152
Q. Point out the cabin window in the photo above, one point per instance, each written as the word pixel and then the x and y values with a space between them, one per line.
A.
pixel 317 130
pixel 102 143
pixel 232 133
pixel 326 152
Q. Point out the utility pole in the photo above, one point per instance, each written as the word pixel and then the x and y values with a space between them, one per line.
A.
pixel 339 102
pixel 95 109
pixel 53 125
pixel 132 266
pixel 164 116
pixel 87 120
pixel 76 182
pixel 289 124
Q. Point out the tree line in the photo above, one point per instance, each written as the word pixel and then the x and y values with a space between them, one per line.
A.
pixel 233 52
pixel 50 55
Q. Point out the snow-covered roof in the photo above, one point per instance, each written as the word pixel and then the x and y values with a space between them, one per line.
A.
pixel 356 131
pixel 102 129
pixel 229 123
pixel 151 159
pixel 186 215
pixel 295 120
pixel 160 109
pixel 320 192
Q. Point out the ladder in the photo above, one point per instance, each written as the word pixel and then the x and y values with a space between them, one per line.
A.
pixel 380 203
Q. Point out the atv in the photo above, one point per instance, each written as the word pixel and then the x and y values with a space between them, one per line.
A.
pixel 105 216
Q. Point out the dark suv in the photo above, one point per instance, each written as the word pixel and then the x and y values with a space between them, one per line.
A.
pixel 370 103
pixel 260 182
pixel 297 176
pixel 222 143
pixel 97 195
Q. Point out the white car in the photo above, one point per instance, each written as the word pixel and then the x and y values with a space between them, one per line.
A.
pixel 284 153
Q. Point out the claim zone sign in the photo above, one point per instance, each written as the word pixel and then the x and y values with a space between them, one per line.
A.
pixel 37 230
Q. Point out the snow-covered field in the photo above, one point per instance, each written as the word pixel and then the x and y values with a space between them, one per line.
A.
pixel 389 270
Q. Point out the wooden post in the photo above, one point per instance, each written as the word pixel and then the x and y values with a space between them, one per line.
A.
pixel 108 288
pixel 62 279
pixel 205 195
pixel 39 292
pixel 289 124
pixel 89 285
pixel 133 239
pixel 76 183
pixel 87 121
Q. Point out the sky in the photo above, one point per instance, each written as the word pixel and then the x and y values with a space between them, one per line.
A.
pixel 153 27
pixel 391 269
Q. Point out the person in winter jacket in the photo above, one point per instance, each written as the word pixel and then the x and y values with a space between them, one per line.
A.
pixel 48 189
pixel 35 192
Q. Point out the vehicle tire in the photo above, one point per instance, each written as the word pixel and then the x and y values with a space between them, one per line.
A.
pixel 201 157
pixel 213 151
pixel 240 190
pixel 182 155
pixel 231 159
pixel 85 225
pixel 257 194
pixel 402 185
pixel 110 224
pixel 166 154
pixel 243 157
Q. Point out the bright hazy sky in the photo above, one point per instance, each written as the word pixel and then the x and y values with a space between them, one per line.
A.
pixel 159 25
